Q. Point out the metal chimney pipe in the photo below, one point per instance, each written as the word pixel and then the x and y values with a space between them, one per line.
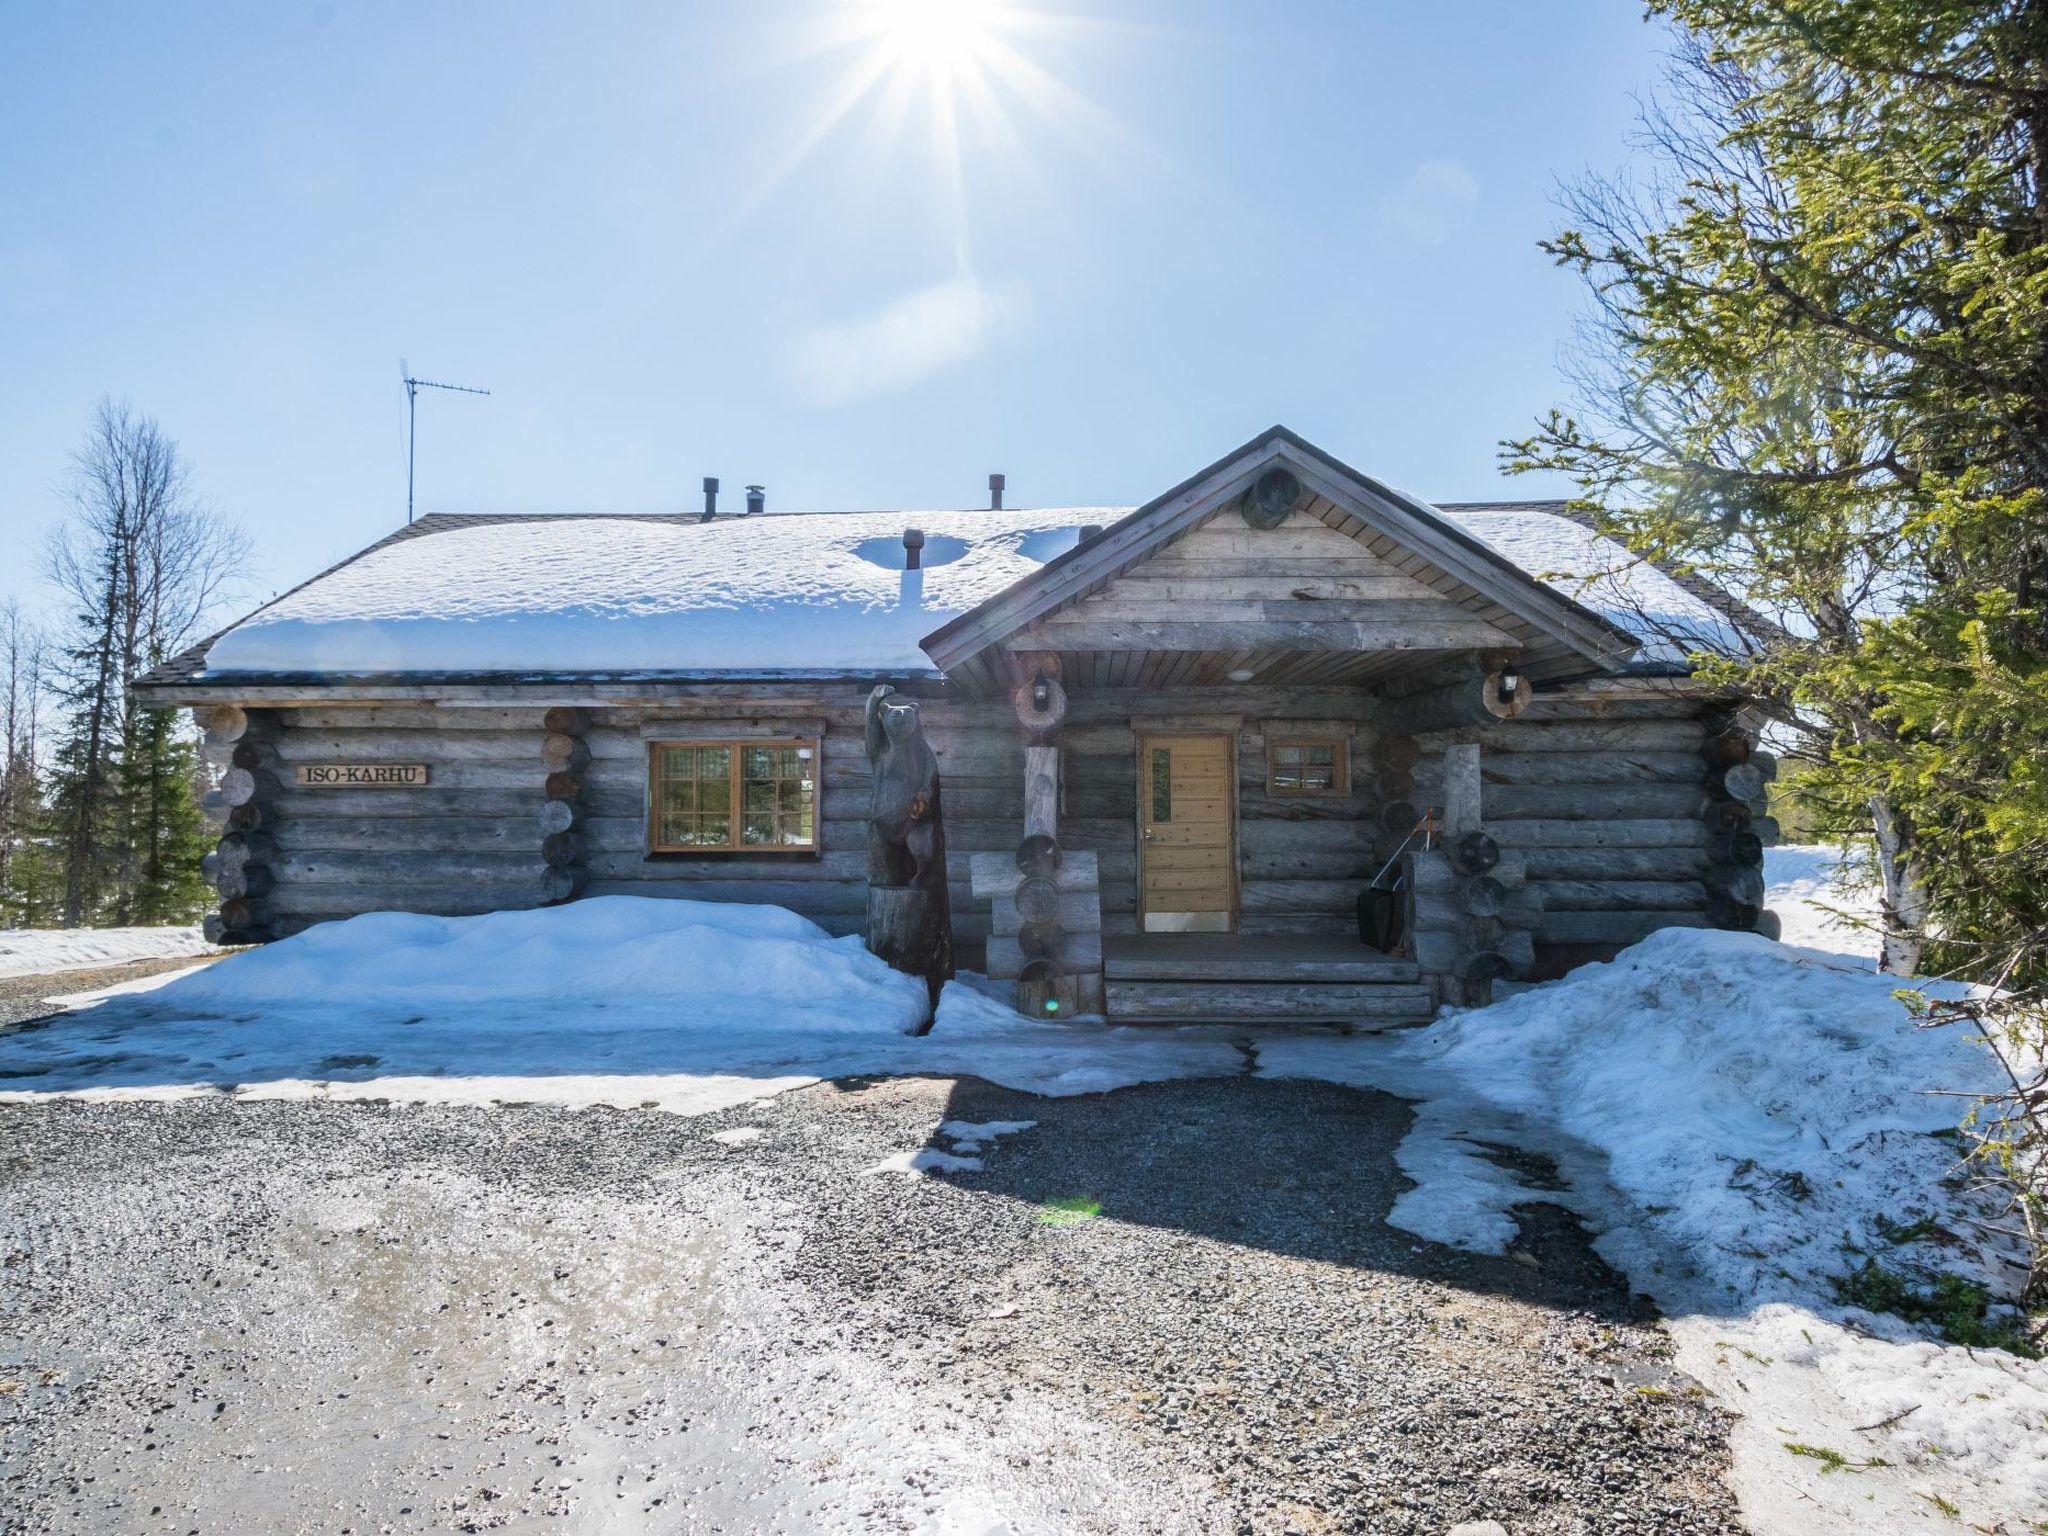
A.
pixel 710 498
pixel 913 548
pixel 757 500
pixel 995 493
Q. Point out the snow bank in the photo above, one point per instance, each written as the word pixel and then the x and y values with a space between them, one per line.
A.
pixel 791 592
pixel 36 951
pixel 1731 1086
pixel 619 1000
pixel 1742 1122
pixel 704 965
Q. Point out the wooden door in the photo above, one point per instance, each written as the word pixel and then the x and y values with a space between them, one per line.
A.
pixel 1187 853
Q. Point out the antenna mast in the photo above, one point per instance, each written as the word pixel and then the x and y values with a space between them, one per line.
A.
pixel 413 387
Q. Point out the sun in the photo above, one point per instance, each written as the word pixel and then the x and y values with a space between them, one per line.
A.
pixel 943 38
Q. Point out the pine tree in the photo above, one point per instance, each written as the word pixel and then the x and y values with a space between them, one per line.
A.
pixel 164 830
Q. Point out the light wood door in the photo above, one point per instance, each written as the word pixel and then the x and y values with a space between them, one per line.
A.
pixel 1187 854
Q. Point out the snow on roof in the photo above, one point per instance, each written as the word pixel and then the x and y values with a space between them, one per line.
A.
pixel 1600 574
pixel 822 592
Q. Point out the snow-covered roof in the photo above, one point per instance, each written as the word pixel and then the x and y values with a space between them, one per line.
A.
pixel 823 592
pixel 1669 619
pixel 782 593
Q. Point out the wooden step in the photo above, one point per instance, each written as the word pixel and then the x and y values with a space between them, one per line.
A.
pixel 1219 957
pixel 1268 1002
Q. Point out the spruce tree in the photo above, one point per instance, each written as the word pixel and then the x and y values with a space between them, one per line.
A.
pixel 1819 374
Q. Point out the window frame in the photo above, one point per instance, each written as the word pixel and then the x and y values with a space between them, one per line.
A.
pixel 736 799
pixel 1340 765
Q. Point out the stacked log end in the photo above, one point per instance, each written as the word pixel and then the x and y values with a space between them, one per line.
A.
pixel 1473 917
pixel 1739 827
pixel 242 744
pixel 1045 915
pixel 1045 926
pixel 1472 912
pixel 565 758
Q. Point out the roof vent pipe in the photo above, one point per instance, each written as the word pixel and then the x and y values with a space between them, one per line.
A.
pixel 913 548
pixel 1090 532
pixel 757 500
pixel 995 493
pixel 710 498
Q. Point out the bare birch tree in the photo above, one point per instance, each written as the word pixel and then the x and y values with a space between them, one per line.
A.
pixel 141 560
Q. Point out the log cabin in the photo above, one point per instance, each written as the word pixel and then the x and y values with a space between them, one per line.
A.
pixel 1282 744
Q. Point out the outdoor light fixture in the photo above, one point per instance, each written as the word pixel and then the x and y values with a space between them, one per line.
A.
pixel 1241 675
pixel 1041 693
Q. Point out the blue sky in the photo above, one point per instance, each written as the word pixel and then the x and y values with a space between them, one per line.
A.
pixel 1155 228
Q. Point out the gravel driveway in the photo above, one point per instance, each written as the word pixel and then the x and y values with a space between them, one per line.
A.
pixel 1170 1308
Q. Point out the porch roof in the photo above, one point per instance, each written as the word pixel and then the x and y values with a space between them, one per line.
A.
pixel 1464 594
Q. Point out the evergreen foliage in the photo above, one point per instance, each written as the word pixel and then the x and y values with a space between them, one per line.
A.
pixel 1819 375
pixel 102 824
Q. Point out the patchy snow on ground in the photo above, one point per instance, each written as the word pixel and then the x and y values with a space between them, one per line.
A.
pixel 1743 1123
pixel 970 1140
pixel 38 951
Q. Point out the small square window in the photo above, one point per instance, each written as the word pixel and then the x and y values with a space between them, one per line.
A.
pixel 1308 768
pixel 732 797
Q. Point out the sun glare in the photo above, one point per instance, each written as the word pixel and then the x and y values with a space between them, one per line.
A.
pixel 939 37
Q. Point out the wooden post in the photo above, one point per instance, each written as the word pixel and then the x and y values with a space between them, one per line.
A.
pixel 1461 790
pixel 1046 929
pixel 1042 792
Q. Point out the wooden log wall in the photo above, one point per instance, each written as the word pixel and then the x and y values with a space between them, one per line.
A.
pixel 1608 801
pixel 517 814
pixel 1624 816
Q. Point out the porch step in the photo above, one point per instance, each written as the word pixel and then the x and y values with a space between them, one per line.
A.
pixel 1268 1002
pixel 1226 957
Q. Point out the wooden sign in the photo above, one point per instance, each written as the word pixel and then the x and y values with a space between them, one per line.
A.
pixel 361 775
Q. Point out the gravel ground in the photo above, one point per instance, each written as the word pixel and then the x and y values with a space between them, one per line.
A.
pixel 1172 1308
pixel 27 997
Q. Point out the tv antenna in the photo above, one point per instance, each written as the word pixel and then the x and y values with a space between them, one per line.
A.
pixel 413 387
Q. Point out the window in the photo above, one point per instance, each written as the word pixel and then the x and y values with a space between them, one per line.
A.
pixel 1308 768
pixel 732 797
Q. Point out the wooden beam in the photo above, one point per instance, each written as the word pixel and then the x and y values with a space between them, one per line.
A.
pixel 1448 633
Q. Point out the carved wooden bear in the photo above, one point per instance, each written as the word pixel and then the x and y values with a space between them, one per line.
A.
pixel 910 919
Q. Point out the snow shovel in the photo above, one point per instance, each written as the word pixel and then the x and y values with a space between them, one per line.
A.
pixel 1380 912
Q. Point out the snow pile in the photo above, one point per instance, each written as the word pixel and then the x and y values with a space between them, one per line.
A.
pixel 37 951
pixel 1732 1086
pixel 620 1000
pixel 792 592
pixel 706 965
pixel 617 999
